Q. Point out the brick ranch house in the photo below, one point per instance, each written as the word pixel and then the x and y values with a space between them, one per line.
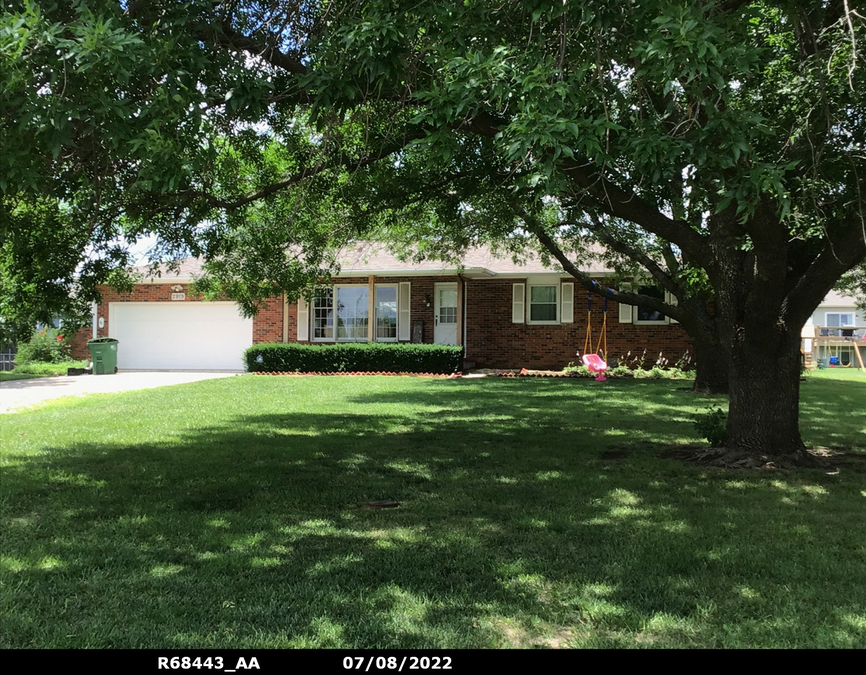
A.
pixel 505 315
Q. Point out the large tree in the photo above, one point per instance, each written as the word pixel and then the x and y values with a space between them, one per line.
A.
pixel 727 134
pixel 42 274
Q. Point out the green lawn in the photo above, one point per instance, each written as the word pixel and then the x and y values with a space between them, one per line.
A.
pixel 9 375
pixel 839 374
pixel 33 370
pixel 533 512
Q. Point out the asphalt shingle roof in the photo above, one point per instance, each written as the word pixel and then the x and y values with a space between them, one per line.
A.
pixel 368 258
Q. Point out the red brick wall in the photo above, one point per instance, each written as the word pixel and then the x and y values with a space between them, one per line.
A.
pixel 267 324
pixel 291 323
pixel 494 342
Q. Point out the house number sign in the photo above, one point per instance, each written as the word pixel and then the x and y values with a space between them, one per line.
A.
pixel 177 295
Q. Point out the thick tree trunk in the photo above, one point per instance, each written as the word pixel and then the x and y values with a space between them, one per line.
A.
pixel 711 364
pixel 763 417
pixel 759 332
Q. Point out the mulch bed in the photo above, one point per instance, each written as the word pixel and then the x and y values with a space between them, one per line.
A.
pixel 825 459
pixel 523 372
pixel 452 376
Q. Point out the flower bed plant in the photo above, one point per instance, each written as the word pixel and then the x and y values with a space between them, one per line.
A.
pixel 639 367
pixel 46 346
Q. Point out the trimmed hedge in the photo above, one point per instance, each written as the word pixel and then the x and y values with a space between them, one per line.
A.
pixel 353 357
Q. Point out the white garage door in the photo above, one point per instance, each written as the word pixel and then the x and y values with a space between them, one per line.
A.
pixel 179 335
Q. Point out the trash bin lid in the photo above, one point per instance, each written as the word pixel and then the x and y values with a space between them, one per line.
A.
pixel 101 340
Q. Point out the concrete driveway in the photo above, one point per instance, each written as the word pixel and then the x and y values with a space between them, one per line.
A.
pixel 19 394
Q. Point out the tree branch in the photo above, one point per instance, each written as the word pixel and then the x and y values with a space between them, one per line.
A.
pixel 612 199
pixel 626 205
pixel 670 259
pixel 643 259
pixel 837 258
pixel 230 204
pixel 229 37
pixel 534 226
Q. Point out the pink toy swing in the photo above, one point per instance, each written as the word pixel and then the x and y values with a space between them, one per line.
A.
pixel 595 363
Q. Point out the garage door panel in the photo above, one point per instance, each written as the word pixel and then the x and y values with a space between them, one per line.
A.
pixel 186 336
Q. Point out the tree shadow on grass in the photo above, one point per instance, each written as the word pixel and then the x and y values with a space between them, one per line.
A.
pixel 513 530
pixel 833 413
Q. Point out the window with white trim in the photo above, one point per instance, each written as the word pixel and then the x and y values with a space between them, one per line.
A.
pixel 323 315
pixel 386 313
pixel 642 315
pixel 543 303
pixel 353 309
pixel 341 313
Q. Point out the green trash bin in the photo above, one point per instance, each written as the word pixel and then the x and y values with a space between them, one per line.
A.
pixel 103 353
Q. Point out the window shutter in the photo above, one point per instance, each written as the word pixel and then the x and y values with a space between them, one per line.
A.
pixel 303 320
pixel 567 312
pixel 518 303
pixel 671 299
pixel 625 311
pixel 404 312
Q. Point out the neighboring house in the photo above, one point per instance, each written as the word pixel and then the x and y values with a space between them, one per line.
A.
pixel 505 315
pixel 835 332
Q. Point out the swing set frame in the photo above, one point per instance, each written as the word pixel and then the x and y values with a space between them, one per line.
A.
pixel 596 360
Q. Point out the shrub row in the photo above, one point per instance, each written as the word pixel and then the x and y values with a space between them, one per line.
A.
pixel 353 357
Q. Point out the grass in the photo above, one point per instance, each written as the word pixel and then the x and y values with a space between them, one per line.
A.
pixel 226 513
pixel 31 370
pixel 9 375
pixel 838 374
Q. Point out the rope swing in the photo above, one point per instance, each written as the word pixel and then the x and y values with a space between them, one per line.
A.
pixel 597 360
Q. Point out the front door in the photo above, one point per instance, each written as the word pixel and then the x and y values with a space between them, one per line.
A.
pixel 445 318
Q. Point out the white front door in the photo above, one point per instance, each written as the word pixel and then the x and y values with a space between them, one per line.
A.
pixel 445 318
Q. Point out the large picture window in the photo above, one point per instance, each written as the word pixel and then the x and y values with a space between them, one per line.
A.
pixel 353 308
pixel 342 314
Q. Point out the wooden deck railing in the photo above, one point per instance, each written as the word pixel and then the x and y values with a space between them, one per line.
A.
pixel 839 336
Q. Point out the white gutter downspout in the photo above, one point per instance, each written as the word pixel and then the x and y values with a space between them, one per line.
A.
pixel 95 318
pixel 465 306
pixel 463 312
